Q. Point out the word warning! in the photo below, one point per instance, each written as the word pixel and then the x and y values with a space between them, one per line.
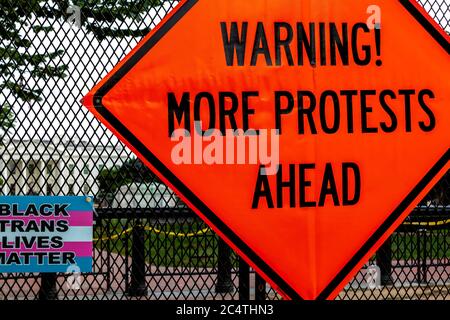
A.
pixel 45 234
pixel 302 131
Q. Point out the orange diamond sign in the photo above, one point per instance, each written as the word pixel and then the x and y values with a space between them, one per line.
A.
pixel 302 131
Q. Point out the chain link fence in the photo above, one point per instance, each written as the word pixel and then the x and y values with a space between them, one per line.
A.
pixel 147 243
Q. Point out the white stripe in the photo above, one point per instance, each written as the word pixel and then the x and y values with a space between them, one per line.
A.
pixel 72 235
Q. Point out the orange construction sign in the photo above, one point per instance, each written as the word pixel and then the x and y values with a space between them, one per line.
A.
pixel 302 131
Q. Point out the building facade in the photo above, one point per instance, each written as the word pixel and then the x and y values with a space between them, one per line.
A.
pixel 47 167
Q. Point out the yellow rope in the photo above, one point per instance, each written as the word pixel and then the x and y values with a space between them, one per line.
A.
pixel 429 224
pixel 177 234
pixel 156 231
pixel 205 230
pixel 114 236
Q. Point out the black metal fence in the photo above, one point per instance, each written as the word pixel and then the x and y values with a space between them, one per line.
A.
pixel 147 244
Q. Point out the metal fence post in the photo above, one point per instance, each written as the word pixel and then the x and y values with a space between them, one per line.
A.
pixel 224 283
pixel 48 291
pixel 425 256
pixel 422 256
pixel 384 262
pixel 107 257
pixel 244 280
pixel 260 288
pixel 137 285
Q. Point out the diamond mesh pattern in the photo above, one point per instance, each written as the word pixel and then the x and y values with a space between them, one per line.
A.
pixel 148 245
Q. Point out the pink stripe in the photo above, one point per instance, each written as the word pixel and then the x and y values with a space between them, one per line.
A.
pixel 81 249
pixel 76 218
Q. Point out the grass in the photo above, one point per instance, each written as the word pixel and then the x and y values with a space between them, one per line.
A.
pixel 201 251
pixel 162 249
pixel 406 246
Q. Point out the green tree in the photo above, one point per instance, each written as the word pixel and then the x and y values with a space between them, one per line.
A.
pixel 20 62
pixel 6 119
pixel 133 170
pixel 6 122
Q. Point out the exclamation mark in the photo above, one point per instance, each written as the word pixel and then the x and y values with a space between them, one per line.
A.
pixel 378 62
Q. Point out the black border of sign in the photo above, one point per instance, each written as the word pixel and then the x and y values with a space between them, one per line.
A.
pixel 203 208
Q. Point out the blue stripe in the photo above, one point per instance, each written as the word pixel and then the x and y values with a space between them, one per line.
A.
pixel 84 263
pixel 75 202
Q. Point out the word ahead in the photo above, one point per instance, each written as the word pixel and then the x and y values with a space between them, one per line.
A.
pixel 299 185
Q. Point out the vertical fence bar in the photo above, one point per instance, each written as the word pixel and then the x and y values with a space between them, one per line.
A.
pixel 260 288
pixel 137 285
pixel 424 267
pixel 48 291
pixel 107 245
pixel 125 242
pixel 244 280
pixel 384 261
pixel 224 283
pixel 418 263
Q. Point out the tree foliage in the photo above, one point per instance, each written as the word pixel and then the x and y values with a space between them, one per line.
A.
pixel 6 119
pixel 20 62
pixel 133 170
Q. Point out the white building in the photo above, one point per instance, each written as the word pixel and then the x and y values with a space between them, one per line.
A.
pixel 46 167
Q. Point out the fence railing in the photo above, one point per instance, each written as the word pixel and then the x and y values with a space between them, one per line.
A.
pixel 171 254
